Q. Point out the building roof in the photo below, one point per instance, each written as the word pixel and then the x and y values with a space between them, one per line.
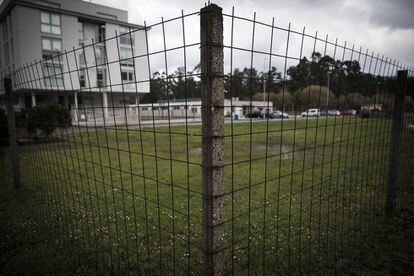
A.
pixel 7 5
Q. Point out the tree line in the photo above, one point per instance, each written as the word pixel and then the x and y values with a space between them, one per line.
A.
pixel 306 83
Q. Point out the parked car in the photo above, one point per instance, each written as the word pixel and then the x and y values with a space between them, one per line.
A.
pixel 346 112
pixel 314 112
pixel 266 112
pixel 334 112
pixel 278 115
pixel 254 114
pixel 324 112
pixel 365 113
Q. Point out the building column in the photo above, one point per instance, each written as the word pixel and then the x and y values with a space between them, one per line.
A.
pixel 137 111
pixel 105 104
pixel 33 99
pixel 75 111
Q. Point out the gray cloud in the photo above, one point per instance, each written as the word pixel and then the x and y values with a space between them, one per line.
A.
pixel 394 14
pixel 383 26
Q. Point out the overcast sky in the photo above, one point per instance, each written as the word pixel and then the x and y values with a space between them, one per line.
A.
pixel 383 26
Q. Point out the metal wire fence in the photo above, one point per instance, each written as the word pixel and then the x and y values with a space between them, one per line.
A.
pixel 269 150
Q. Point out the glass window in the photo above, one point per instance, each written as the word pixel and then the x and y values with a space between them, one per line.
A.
pixel 50 23
pixel 46 44
pixel 82 81
pixel 124 76
pixel 128 79
pixel 100 56
pixel 55 30
pixel 55 19
pixel 46 28
pixel 52 75
pixel 82 59
pixel 57 45
pixel 45 17
pixel 126 37
pixel 51 47
pixel 126 57
pixel 100 78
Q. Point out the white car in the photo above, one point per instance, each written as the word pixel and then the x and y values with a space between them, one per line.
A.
pixel 314 112
pixel 334 112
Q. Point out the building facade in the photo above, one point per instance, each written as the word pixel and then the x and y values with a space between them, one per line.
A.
pixel 84 54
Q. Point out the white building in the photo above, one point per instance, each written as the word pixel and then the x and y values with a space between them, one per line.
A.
pixel 101 75
pixel 178 108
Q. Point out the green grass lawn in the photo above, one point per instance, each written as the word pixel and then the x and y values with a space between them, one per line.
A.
pixel 299 195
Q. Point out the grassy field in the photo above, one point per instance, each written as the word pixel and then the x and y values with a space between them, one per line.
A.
pixel 299 195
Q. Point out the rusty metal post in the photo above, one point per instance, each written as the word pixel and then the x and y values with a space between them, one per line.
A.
pixel 394 157
pixel 212 117
pixel 11 122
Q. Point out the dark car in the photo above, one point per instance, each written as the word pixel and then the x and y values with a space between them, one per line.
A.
pixel 254 114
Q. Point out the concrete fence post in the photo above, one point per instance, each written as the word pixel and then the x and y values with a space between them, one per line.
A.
pixel 212 117
pixel 394 157
pixel 11 122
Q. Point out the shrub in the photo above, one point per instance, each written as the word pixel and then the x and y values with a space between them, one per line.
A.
pixel 46 118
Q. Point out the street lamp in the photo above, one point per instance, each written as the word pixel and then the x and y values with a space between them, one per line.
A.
pixel 376 96
pixel 327 94
pixel 330 68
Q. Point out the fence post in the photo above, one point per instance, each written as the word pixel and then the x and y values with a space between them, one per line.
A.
pixel 11 122
pixel 212 117
pixel 394 158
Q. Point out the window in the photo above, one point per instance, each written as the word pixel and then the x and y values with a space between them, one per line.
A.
pixel 194 109
pixel 52 75
pixel 176 108
pixel 126 37
pixel 128 79
pixel 50 23
pixel 144 108
pixel 82 80
pixel 127 76
pixel 51 47
pixel 100 78
pixel 100 55
pixel 126 57
pixel 82 61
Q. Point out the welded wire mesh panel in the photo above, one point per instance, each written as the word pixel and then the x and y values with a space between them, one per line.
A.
pixel 112 150
pixel 306 172
pixel 123 181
